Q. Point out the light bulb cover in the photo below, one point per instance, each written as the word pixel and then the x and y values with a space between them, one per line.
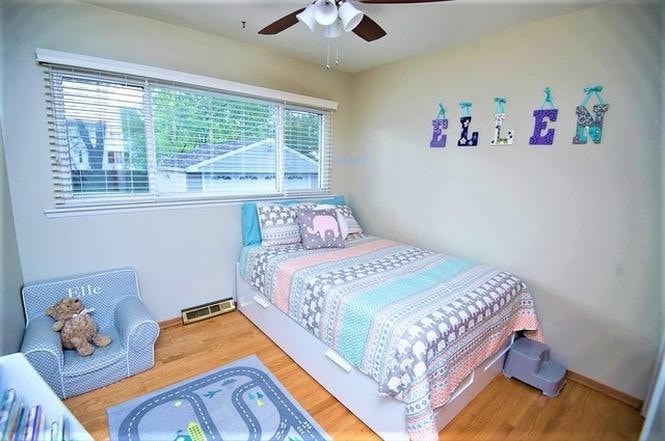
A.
pixel 332 31
pixel 306 17
pixel 325 12
pixel 350 16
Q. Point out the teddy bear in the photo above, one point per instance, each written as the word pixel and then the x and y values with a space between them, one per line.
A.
pixel 77 329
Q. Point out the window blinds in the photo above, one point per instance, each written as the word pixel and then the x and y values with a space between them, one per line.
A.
pixel 118 139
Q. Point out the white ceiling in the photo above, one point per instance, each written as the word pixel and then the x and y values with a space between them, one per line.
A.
pixel 412 29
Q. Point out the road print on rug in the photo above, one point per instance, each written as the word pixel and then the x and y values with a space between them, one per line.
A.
pixel 239 401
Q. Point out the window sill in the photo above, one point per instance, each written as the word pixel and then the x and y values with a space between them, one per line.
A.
pixel 134 207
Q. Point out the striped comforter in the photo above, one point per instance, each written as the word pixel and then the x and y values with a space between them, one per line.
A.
pixel 416 321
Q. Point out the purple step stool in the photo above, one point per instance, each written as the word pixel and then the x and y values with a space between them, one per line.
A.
pixel 529 361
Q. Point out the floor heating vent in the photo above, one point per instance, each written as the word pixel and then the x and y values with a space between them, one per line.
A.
pixel 207 310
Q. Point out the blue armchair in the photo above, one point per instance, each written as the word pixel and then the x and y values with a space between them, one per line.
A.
pixel 119 312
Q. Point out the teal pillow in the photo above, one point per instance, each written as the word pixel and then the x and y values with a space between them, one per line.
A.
pixel 251 233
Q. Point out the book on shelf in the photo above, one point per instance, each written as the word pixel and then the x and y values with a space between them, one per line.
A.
pixel 65 429
pixel 39 433
pixel 20 422
pixel 8 398
pixel 13 420
pixel 33 430
pixel 26 425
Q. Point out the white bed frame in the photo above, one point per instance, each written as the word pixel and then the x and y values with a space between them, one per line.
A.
pixel 355 390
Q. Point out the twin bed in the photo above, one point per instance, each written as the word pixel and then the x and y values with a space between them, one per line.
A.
pixel 404 337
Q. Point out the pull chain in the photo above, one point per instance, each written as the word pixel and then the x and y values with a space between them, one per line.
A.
pixel 337 42
pixel 328 54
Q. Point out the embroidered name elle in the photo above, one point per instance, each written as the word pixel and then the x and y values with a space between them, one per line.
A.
pixel 83 290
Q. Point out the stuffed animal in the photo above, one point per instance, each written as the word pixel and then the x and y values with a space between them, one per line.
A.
pixel 77 329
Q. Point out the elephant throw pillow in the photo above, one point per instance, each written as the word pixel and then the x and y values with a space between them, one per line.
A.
pixel 320 229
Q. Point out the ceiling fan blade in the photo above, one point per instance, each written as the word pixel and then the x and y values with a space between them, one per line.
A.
pixel 383 2
pixel 369 30
pixel 283 23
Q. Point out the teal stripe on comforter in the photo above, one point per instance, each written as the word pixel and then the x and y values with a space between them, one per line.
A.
pixel 359 313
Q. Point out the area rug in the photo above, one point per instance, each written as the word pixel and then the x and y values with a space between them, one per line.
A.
pixel 241 401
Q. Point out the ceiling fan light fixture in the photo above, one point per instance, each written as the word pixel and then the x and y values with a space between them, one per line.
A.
pixel 307 18
pixel 325 12
pixel 332 31
pixel 350 16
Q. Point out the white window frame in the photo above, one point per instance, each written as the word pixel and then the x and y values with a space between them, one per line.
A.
pixel 125 203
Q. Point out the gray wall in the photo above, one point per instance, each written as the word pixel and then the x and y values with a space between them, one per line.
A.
pixel 11 313
pixel 184 257
pixel 581 224
pixel 657 431
pixel 662 168
pixel 659 423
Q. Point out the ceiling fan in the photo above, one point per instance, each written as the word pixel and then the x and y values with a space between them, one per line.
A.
pixel 332 17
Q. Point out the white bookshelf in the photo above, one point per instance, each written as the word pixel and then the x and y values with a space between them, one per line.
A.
pixel 17 373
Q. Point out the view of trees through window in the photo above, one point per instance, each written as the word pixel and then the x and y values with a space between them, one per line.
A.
pixel 201 141
pixel 184 120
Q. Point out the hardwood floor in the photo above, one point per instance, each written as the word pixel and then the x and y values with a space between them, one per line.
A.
pixel 505 410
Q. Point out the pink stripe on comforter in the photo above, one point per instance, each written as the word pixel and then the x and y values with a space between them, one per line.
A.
pixel 285 270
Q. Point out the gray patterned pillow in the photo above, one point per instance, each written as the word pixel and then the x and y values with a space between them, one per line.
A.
pixel 319 229
pixel 279 223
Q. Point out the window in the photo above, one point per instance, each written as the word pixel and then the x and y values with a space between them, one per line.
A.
pixel 121 139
